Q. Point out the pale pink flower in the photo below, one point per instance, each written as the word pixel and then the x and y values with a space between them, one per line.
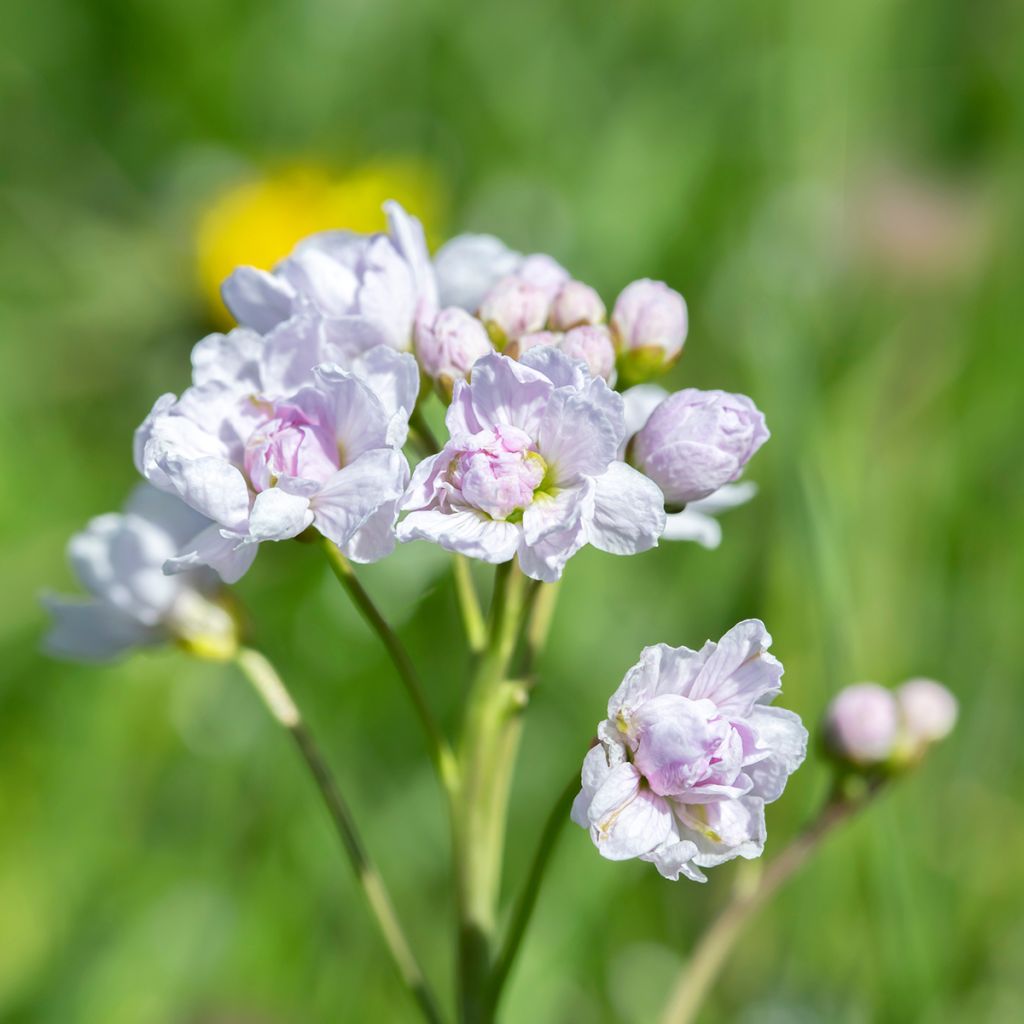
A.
pixel 862 724
pixel 370 288
pixel 698 520
pixel 265 463
pixel 649 324
pixel 576 304
pixel 448 345
pixel 689 755
pixel 929 711
pixel 530 469
pixel 592 344
pixel 119 559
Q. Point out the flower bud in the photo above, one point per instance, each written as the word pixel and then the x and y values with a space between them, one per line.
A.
pixel 862 724
pixel 575 304
pixel 649 327
pixel 512 308
pixel 537 339
pixel 449 344
pixel 696 441
pixel 929 711
pixel 543 272
pixel 592 344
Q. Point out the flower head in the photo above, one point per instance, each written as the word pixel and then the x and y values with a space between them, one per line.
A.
pixel 694 442
pixel 576 304
pixel 690 754
pixel 512 308
pixel 862 724
pixel 530 469
pixel 369 288
pixel 119 559
pixel 264 461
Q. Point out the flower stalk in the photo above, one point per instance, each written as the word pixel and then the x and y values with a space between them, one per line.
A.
pixel 268 684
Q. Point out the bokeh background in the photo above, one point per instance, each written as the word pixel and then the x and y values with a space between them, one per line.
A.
pixel 836 190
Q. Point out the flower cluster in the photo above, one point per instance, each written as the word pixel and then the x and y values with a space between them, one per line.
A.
pixel 868 726
pixel 690 753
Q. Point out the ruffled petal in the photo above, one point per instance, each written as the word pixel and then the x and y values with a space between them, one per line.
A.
pixel 230 554
pixel 469 533
pixel 629 513
pixel 738 670
pixel 257 299
pixel 780 732
pixel 627 819
pixel 279 515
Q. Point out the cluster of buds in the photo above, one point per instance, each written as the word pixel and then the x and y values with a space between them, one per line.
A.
pixel 871 728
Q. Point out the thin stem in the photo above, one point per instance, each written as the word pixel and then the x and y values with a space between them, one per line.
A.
pixel 709 954
pixel 538 625
pixel 281 705
pixel 440 752
pixel 469 604
pixel 524 907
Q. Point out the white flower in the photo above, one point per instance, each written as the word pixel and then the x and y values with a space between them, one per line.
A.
pixel 368 288
pixel 264 462
pixel 690 754
pixel 119 559
pixel 530 469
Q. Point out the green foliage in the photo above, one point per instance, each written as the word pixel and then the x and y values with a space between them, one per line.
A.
pixel 835 189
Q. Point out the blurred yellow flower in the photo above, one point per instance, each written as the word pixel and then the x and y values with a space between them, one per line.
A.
pixel 258 222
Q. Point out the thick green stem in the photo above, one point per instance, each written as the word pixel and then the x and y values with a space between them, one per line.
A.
pixel 487 752
pixel 713 947
pixel 440 752
pixel 281 705
pixel 523 910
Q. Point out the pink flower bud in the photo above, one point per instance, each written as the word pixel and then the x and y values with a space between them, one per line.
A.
pixel 696 441
pixel 537 339
pixel 592 344
pixel 649 326
pixel 929 711
pixel 862 724
pixel 448 345
pixel 575 304
pixel 543 272
pixel 512 308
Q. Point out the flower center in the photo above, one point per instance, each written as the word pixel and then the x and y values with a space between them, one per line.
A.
pixel 289 445
pixel 500 474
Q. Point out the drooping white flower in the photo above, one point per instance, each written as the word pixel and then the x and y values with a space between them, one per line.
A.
pixel 369 289
pixel 690 754
pixel 264 462
pixel 119 559
pixel 530 469
pixel 698 520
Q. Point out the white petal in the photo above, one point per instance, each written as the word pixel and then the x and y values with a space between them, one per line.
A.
pixel 726 497
pixel 352 495
pixel 229 553
pixel 92 630
pixel 408 238
pixel 661 669
pixel 212 486
pixel 468 266
pixel 629 512
pixel 375 539
pixel 674 858
pixel 738 670
pixel 576 436
pixel 506 393
pixel 692 525
pixel 469 533
pixel 361 423
pixel 278 515
pixel 328 285
pixel 232 357
pixel 627 819
pixel 394 377
pixel 781 732
pixel 290 351
pixel 257 299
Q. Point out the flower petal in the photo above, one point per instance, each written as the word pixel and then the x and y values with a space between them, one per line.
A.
pixel 467 532
pixel 257 299
pixel 629 513
pixel 92 630
pixel 279 515
pixel 229 553
pixel 738 670
pixel 781 732
pixel 695 526
pixel 627 819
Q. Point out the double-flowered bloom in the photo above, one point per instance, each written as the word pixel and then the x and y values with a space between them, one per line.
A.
pixel 689 755
pixel 119 559
pixel 271 440
pixel 531 469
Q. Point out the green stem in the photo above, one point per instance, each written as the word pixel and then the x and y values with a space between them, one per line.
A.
pixel 488 748
pixel 279 702
pixel 421 432
pixel 469 604
pixel 524 907
pixel 440 752
pixel 709 954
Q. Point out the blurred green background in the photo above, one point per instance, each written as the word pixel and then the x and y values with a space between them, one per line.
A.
pixel 836 190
